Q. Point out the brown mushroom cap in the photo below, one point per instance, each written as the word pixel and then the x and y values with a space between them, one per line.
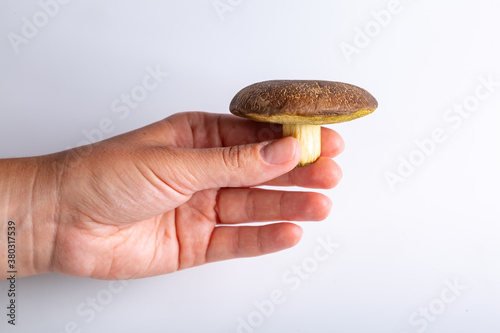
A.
pixel 302 102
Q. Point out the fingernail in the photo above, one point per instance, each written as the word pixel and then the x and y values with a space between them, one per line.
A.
pixel 279 151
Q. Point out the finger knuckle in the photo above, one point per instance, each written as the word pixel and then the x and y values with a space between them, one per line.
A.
pixel 232 158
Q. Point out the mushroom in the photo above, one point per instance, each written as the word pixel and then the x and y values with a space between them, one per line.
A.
pixel 302 106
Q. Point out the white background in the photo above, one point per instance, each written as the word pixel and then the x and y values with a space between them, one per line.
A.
pixel 398 245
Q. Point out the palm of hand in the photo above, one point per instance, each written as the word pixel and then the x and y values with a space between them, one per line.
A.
pixel 128 211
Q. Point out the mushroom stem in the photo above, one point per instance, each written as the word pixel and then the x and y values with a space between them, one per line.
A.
pixel 309 137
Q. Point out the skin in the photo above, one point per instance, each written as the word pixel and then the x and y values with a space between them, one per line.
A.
pixel 162 198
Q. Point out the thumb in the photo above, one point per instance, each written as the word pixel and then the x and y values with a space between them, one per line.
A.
pixel 193 170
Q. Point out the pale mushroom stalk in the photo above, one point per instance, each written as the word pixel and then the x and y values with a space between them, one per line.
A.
pixel 309 137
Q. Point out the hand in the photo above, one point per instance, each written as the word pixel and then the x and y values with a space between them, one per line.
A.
pixel 165 197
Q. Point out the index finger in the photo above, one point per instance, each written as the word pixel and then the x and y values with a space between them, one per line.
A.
pixel 209 130
pixel 229 130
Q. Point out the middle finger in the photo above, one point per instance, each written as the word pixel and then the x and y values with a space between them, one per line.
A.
pixel 258 205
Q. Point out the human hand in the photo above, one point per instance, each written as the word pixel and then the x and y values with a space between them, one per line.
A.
pixel 166 197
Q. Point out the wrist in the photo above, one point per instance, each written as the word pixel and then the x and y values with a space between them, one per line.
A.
pixel 29 198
